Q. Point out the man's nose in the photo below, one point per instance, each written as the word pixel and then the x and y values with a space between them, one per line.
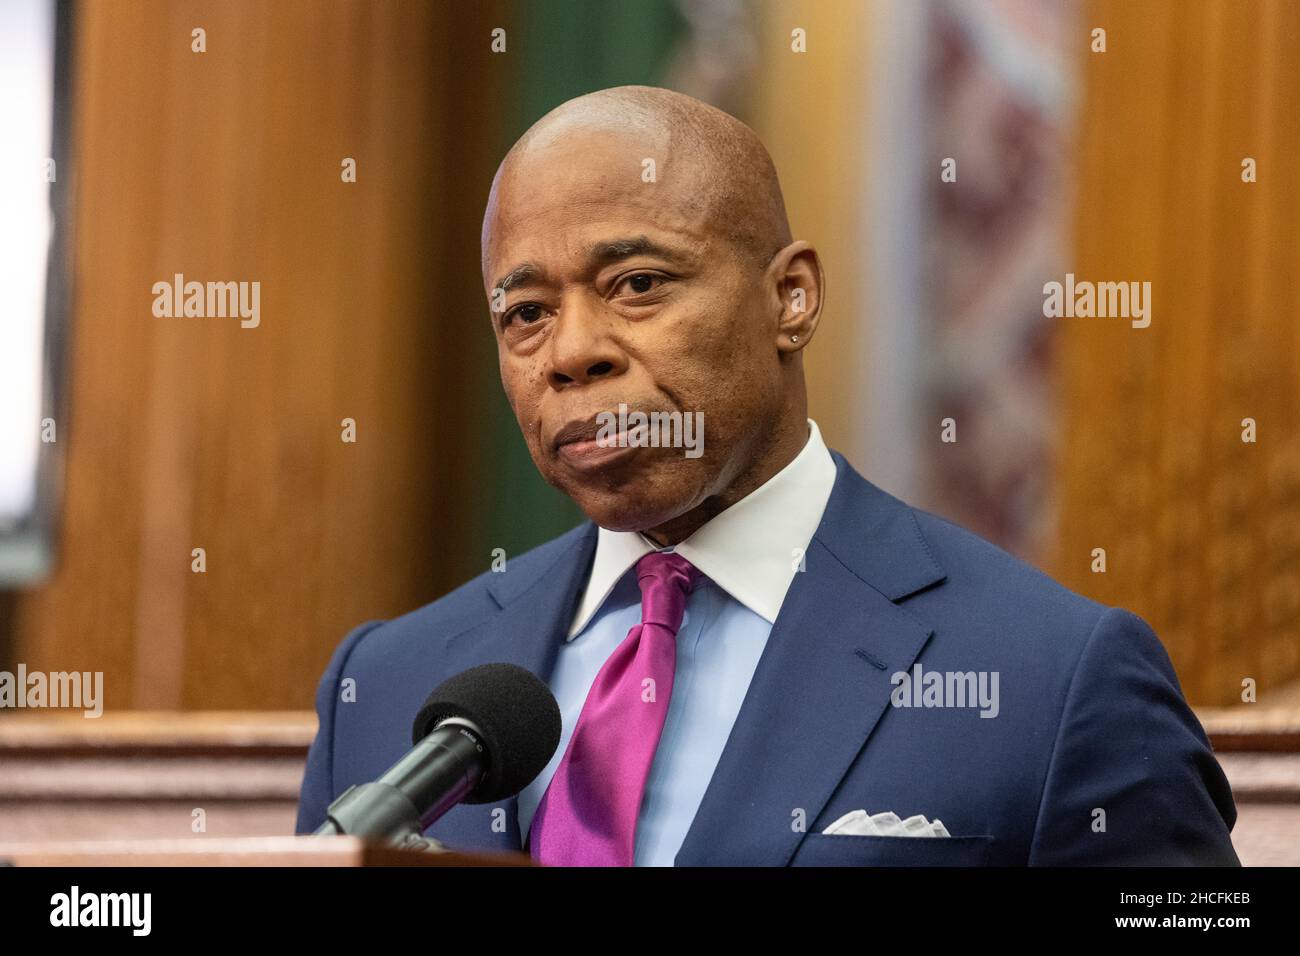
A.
pixel 582 347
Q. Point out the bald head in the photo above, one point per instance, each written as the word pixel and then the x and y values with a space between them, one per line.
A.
pixel 636 255
pixel 709 164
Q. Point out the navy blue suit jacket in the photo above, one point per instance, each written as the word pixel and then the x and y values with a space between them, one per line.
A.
pixel 1093 758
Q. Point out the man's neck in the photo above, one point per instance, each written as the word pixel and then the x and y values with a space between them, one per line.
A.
pixel 779 453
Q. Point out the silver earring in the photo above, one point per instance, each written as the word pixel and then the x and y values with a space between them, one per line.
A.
pixel 794 338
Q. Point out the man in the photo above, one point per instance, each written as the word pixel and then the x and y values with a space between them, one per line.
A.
pixel 750 643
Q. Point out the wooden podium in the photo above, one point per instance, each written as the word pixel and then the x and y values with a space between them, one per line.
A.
pixel 136 779
pixel 241 851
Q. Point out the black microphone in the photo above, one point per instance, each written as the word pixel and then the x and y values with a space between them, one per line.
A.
pixel 482 735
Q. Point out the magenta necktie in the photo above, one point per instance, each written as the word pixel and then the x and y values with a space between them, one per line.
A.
pixel 587 817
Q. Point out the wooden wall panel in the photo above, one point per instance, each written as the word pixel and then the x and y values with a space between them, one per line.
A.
pixel 193 432
pixel 1201 530
pixel 807 110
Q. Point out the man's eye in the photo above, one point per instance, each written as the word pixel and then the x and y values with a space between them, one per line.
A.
pixel 641 282
pixel 528 314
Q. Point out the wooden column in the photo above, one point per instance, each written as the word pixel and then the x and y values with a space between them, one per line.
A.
pixel 188 433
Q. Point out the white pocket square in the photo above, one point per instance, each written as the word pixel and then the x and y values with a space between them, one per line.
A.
pixel 860 823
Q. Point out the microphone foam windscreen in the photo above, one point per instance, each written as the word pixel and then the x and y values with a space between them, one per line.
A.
pixel 517 713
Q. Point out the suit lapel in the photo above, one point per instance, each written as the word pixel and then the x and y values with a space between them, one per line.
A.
pixel 822 682
pixel 537 605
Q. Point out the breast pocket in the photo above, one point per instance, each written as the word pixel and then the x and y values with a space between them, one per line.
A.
pixel 838 849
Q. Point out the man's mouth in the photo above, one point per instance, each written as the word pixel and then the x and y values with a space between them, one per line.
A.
pixel 578 445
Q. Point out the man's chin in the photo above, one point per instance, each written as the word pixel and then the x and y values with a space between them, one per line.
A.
pixel 645 490
pixel 624 515
pixel 626 509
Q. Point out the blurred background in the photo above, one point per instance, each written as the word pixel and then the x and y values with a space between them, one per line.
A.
pixel 1102 138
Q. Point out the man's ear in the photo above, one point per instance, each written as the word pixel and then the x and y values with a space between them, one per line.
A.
pixel 796 275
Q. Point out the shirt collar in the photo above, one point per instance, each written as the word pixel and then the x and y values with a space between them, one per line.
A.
pixel 752 550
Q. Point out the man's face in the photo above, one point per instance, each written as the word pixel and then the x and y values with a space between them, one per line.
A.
pixel 620 291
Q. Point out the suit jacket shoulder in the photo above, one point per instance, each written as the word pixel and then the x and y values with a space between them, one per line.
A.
pixel 382 671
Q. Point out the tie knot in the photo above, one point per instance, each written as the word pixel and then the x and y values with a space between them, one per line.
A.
pixel 666 578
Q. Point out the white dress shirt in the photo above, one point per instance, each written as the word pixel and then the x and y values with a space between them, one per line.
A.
pixel 748 556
